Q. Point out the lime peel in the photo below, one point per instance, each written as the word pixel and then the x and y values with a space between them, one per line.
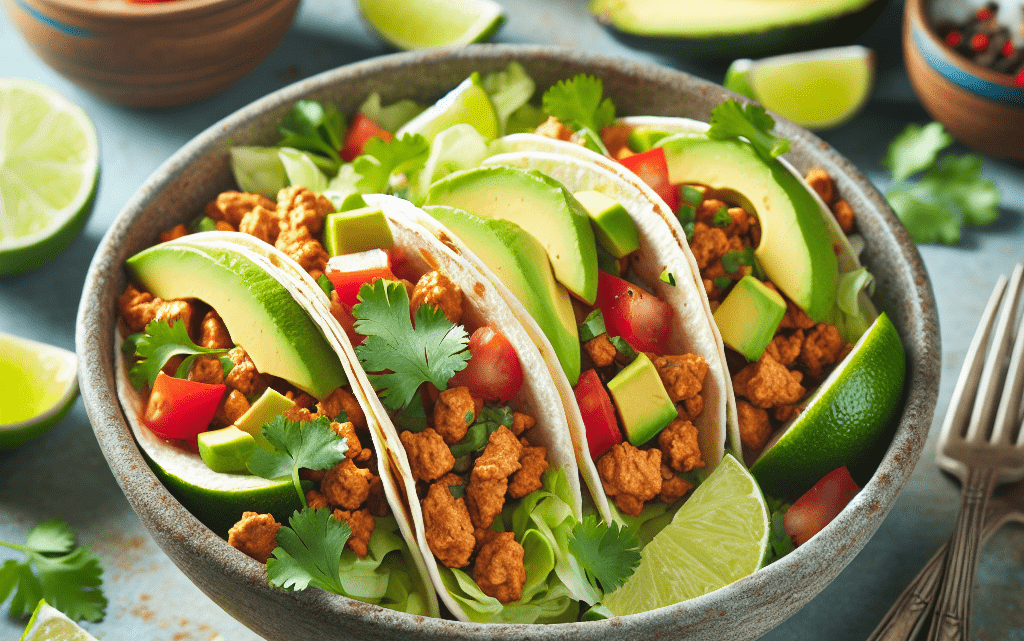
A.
pixel 427 24
pixel 50 624
pixel 39 386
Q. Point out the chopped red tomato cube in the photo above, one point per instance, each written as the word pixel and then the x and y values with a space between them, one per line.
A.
pixel 348 273
pixel 598 414
pixel 638 316
pixel 494 372
pixel 819 505
pixel 179 408
pixel 653 170
pixel 361 130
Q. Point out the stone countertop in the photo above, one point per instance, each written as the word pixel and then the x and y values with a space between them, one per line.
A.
pixel 63 474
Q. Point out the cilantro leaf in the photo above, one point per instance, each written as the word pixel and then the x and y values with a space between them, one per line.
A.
pixel 957 180
pixel 592 326
pixel 309 444
pixel 381 160
pixel 578 103
pixel 915 149
pixel 316 128
pixel 161 342
pixel 927 221
pixel 608 555
pixel 68 577
pixel 490 419
pixel 733 260
pixel 405 355
pixel 309 552
pixel 733 120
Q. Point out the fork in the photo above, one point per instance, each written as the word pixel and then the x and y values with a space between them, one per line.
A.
pixel 981 444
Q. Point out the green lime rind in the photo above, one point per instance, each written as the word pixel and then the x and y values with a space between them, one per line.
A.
pixel 44 383
pixel 50 624
pixel 844 420
pixel 14 435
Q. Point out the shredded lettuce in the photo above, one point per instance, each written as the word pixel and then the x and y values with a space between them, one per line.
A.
pixel 301 169
pixel 509 90
pixel 387 576
pixel 457 147
pixel 854 310
pixel 393 116
pixel 258 170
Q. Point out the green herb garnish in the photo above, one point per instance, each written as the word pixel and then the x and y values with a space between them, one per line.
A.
pixel 68 577
pixel 202 223
pixel 608 555
pixel 731 120
pixel 722 218
pixel 383 163
pixel 309 444
pixel 779 543
pixel 722 282
pixel 309 552
pixel 161 342
pixel 489 420
pixel 593 326
pixel 325 284
pixel 668 277
pixel 733 260
pixel 690 195
pixel 579 102
pixel 623 347
pixel 316 128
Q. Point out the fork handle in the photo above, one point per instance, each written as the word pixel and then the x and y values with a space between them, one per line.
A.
pixel 951 621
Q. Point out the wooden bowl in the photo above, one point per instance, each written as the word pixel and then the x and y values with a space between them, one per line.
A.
pixel 982 108
pixel 152 54
pixel 741 611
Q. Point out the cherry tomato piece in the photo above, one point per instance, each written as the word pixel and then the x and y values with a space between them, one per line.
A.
pixel 349 272
pixel 179 408
pixel 598 414
pixel 494 372
pixel 361 130
pixel 653 170
pixel 638 316
pixel 819 505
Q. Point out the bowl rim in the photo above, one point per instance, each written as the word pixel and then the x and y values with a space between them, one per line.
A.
pixel 127 10
pixel 921 23
pixel 868 507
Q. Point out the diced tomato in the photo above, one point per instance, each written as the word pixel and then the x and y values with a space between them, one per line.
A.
pixel 494 372
pixel 653 170
pixel 819 505
pixel 361 130
pixel 348 273
pixel 179 408
pixel 598 414
pixel 638 316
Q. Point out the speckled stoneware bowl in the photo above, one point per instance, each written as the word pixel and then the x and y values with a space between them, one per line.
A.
pixel 744 610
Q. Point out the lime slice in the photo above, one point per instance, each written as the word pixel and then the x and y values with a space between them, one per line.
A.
pixel 49 167
pixel 845 419
pixel 426 24
pixel 39 387
pixel 718 536
pixel 50 624
pixel 466 104
pixel 817 89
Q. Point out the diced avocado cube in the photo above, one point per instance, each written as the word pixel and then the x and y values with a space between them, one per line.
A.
pixel 614 228
pixel 641 140
pixel 226 449
pixel 643 403
pixel 266 407
pixel 358 230
pixel 749 317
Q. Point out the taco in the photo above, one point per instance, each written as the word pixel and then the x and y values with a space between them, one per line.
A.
pixel 224 350
pixel 494 486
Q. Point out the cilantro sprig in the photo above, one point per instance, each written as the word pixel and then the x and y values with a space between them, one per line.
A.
pixel 309 444
pixel 404 354
pixel 317 128
pixel 948 195
pixel 579 103
pixel 732 120
pixel 309 552
pixel 160 342
pixel 68 577
pixel 381 161
pixel 608 555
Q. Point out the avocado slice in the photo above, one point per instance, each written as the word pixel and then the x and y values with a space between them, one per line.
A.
pixel 643 404
pixel 226 449
pixel 796 246
pixel 520 262
pixel 614 229
pixel 540 205
pixel 259 312
pixel 356 230
pixel 736 28
pixel 272 403
pixel 749 316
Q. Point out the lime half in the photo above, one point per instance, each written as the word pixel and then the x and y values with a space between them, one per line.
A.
pixel 845 419
pixel 49 168
pixel 467 104
pixel 39 386
pixel 50 624
pixel 718 536
pixel 817 89
pixel 426 24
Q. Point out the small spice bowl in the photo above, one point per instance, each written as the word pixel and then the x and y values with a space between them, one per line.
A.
pixel 981 107
pixel 152 54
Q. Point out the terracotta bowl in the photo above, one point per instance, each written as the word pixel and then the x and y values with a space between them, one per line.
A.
pixel 744 610
pixel 982 108
pixel 152 54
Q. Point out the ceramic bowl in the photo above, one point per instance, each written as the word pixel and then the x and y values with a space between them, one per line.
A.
pixel 156 54
pixel 982 108
pixel 744 610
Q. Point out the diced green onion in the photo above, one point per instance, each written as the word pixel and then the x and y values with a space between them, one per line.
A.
pixel 593 326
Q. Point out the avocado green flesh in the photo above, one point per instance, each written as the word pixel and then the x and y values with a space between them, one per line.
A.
pixel 644 406
pixel 538 204
pixel 259 312
pixel 226 449
pixel 356 230
pixel 520 263
pixel 272 403
pixel 749 316
pixel 796 247
pixel 614 228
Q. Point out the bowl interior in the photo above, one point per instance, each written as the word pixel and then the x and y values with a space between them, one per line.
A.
pixel 194 175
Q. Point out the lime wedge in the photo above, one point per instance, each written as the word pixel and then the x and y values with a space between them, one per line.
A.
pixel 39 387
pixel 845 419
pixel 426 24
pixel 50 624
pixel 466 104
pixel 718 536
pixel 49 167
pixel 817 89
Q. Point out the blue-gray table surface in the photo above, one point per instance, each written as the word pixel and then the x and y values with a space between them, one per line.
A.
pixel 64 475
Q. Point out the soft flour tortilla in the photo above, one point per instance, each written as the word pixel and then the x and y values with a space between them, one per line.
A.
pixel 392 465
